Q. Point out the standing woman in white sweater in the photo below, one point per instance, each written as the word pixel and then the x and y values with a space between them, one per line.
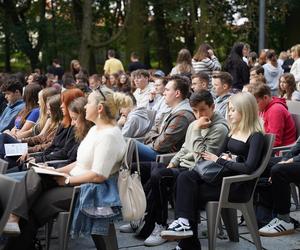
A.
pixel 42 197
pixel 295 70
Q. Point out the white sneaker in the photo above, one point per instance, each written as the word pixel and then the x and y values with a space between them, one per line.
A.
pixel 155 239
pixel 11 228
pixel 127 228
pixel 293 207
pixel 177 231
pixel 132 227
pixel 277 227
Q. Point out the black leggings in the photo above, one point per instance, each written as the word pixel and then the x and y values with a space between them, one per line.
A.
pixel 282 175
pixel 193 193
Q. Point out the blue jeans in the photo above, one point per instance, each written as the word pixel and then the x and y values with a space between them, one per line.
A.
pixel 146 153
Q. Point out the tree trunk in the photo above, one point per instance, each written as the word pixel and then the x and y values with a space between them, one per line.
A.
pixel 18 27
pixel 78 15
pixel 291 30
pixel 7 66
pixel 53 22
pixel 163 43
pixel 189 34
pixel 135 30
pixel 201 26
pixel 85 50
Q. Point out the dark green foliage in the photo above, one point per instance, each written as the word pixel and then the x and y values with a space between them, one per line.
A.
pixel 156 29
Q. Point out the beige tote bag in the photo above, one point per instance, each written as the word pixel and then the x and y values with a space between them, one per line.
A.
pixel 131 191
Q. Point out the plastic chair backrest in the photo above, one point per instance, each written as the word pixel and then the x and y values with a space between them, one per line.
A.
pixel 227 181
pixel 3 166
pixel 266 154
pixel 7 191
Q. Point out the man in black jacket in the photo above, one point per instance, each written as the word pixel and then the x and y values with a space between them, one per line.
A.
pixel 283 173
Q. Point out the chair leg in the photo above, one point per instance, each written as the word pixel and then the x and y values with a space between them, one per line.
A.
pixel 108 242
pixel 294 194
pixel 62 221
pixel 48 231
pixel 211 212
pixel 250 219
pixel 229 216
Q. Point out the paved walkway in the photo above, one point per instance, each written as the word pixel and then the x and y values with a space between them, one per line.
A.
pixel 128 241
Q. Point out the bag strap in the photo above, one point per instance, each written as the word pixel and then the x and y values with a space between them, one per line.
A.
pixel 131 148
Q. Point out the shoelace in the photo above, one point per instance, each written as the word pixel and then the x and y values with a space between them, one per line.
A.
pixel 174 224
pixel 272 222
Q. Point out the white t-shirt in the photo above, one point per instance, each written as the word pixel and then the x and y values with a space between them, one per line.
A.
pixel 101 152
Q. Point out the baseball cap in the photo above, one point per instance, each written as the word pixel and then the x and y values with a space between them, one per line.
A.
pixel 159 73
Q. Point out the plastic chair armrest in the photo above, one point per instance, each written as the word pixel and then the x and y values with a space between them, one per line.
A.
pixel 165 158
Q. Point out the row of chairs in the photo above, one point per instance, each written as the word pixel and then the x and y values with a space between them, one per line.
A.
pixel 214 209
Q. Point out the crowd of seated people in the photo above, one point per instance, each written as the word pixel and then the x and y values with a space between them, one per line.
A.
pixel 78 123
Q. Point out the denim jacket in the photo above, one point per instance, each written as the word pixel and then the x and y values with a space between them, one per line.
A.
pixel 97 206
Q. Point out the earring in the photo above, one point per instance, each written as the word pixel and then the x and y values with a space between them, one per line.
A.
pixel 99 116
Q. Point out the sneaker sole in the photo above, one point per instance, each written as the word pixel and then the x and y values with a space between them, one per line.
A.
pixel 127 232
pixel 11 232
pixel 276 234
pixel 171 236
pixel 148 244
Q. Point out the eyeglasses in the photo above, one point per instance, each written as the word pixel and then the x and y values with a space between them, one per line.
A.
pixel 101 93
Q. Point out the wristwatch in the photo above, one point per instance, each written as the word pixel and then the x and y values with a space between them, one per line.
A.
pixel 67 181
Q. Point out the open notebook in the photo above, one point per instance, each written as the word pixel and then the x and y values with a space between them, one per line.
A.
pixel 41 169
pixel 15 149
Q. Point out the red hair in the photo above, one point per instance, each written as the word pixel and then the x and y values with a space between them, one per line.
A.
pixel 66 98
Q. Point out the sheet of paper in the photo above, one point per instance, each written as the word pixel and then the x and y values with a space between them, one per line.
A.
pixel 40 170
pixel 14 149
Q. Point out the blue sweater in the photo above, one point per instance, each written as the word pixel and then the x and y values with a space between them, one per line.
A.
pixel 9 114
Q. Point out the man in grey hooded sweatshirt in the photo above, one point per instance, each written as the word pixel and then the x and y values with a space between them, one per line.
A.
pixel 136 121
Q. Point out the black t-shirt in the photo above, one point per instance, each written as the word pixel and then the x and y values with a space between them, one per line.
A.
pixel 57 71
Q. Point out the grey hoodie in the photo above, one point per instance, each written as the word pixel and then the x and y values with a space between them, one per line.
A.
pixel 272 75
pixel 138 123
pixel 198 140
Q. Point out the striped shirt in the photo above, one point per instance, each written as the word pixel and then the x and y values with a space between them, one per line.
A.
pixel 207 65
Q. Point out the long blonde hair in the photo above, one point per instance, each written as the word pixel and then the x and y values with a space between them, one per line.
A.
pixel 296 49
pixel 245 103
pixel 44 94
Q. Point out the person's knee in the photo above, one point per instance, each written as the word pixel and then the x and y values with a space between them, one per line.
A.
pixel 156 177
pixel 184 177
pixel 280 174
pixel 277 170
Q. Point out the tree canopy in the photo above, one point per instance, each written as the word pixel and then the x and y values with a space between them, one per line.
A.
pixel 34 32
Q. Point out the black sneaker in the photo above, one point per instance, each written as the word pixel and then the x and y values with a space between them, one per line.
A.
pixel 177 231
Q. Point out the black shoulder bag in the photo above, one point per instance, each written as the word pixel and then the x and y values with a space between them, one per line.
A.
pixel 210 171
